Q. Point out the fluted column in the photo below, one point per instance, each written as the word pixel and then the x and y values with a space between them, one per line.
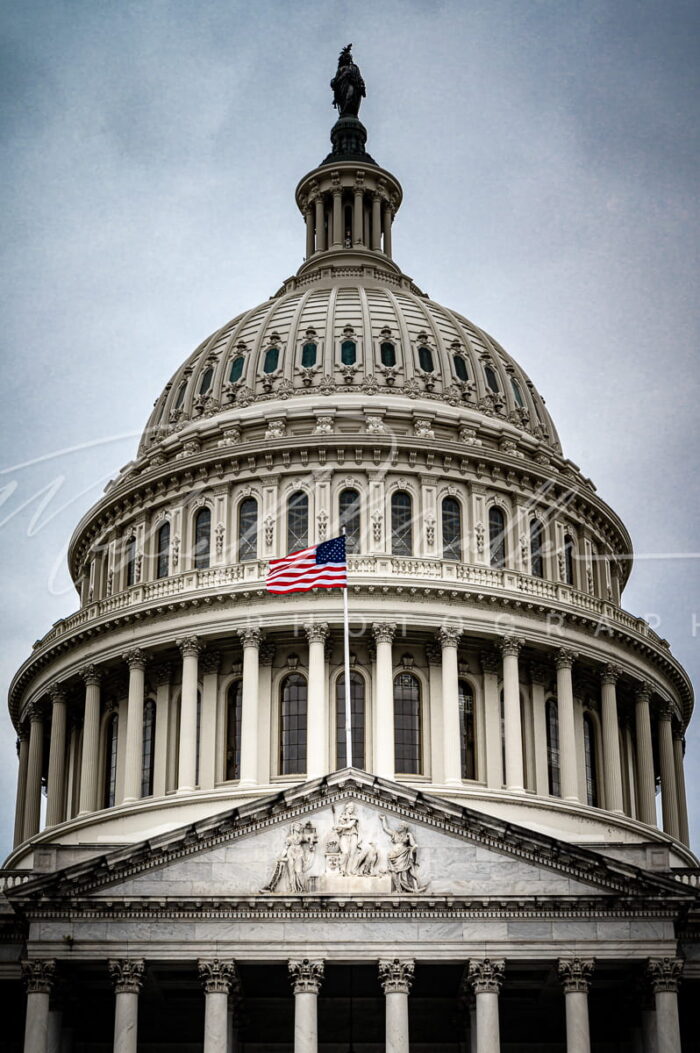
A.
pixel 680 785
pixel 358 215
pixel 56 785
pixel 396 977
pixel 317 716
pixel 320 225
pixel 514 777
pixel 22 767
pixel 646 791
pixel 452 729
pixel 38 979
pixel 575 976
pixel 218 977
pixel 485 978
pixel 337 218
pixel 90 760
pixel 667 764
pixel 35 763
pixel 306 978
pixel 612 764
pixel 664 975
pixel 136 661
pixel 490 665
pixel 376 221
pixel 187 760
pixel 251 639
pixel 384 728
pixel 387 218
pixel 567 735
pixel 310 238
pixel 127 977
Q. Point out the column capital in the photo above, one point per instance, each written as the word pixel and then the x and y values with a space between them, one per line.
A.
pixel 35 712
pixel 642 692
pixel 433 652
pixel 565 658
pixel 396 975
pixel 90 675
pixel 306 975
pixel 511 645
pixel 162 674
pixel 57 693
pixel 575 974
pixel 39 975
pixel 664 974
pixel 189 646
pixel 449 636
pixel 135 659
pixel 490 662
pixel 23 733
pixel 665 711
pixel 539 674
pixel 486 976
pixel 610 674
pixel 267 653
pixel 126 974
pixel 384 632
pixel 679 734
pixel 218 976
pixel 210 662
pixel 250 637
pixel 316 632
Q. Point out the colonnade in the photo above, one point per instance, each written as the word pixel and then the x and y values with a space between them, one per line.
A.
pixel 502 763
pixel 481 987
pixel 372 215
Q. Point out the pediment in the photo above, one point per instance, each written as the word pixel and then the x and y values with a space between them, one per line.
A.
pixel 349 835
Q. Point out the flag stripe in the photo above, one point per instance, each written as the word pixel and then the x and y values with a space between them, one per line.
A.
pixel 320 566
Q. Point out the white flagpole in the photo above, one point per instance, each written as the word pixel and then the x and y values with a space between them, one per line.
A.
pixel 348 693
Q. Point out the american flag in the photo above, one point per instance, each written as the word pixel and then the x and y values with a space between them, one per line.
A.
pixel 322 566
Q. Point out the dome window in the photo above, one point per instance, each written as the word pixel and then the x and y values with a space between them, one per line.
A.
pixel 425 359
pixel 148 753
pixel 248 530
pixel 401 524
pixel 349 518
pixel 451 529
pixel 202 539
pixel 553 771
pixel 388 354
pixel 110 779
pixel 536 548
pixel 491 379
pixel 357 709
pixel 297 521
pixel 460 368
pixel 308 355
pixel 180 395
pixel 468 736
pixel 517 393
pixel 236 371
pixel 591 759
pixel 348 352
pixel 272 357
pixel 163 550
pixel 130 560
pixel 407 724
pixel 497 537
pixel 205 382
pixel 293 718
pixel 234 709
pixel 569 559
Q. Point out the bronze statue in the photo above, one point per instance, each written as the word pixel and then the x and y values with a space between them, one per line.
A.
pixel 348 86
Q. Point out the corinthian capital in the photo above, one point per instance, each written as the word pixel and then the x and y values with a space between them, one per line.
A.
pixel 490 662
pixel 57 693
pixel 306 975
pixel 396 974
pixel 316 632
pixel 126 974
pixel 217 976
pixel 486 976
pixel 190 646
pixel 565 658
pixel 211 661
pixel 135 659
pixel 575 974
pixel 664 974
pixel 250 637
pixel 39 975
pixel 610 674
pixel 449 636
pixel 643 692
pixel 90 675
pixel 384 632
pixel 511 645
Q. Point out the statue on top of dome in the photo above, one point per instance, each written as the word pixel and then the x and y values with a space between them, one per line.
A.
pixel 348 85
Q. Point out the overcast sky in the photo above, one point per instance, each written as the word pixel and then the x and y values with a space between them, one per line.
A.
pixel 548 151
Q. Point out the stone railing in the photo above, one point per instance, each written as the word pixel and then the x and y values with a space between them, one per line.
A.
pixel 12 878
pixel 687 875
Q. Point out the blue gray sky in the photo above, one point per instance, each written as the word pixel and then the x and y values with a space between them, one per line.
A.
pixel 548 151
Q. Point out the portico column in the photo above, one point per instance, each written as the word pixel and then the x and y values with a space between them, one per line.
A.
pixel 669 792
pixel 187 760
pixel 306 977
pixel 384 728
pixel 136 661
pixel 358 214
pixel 376 233
pixel 513 732
pixel 387 217
pixel 251 639
pixel 320 225
pixel 612 765
pixel 396 977
pixel 646 797
pixel 127 977
pixel 38 979
pixel 32 804
pixel 575 976
pixel 317 714
pixel 486 978
pixel 664 976
pixel 23 752
pixel 309 216
pixel 89 761
pixel 56 790
pixel 680 784
pixel 452 729
pixel 217 978
pixel 567 734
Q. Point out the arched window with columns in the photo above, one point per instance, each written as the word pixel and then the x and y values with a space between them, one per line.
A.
pixel 591 760
pixel 553 768
pixel 293 724
pixel 497 536
pixel 401 524
pixel 357 712
pixel 349 517
pixel 202 538
pixel 247 529
pixel 163 550
pixel 297 521
pixel 451 529
pixel 569 550
pixel 536 548
pixel 408 724
pixel 467 729
pixel 148 752
pixel 130 561
pixel 109 795
pixel 234 708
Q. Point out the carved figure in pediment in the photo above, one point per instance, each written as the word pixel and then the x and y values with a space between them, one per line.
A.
pixel 348 836
pixel 296 859
pixel 402 858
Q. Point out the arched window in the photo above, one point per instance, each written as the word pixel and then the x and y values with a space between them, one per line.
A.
pixel 568 559
pixel 590 759
pixel 348 352
pixel 407 724
pixel 536 548
pixel 202 539
pixel 272 357
pixel 491 379
pixel 308 355
pixel 357 713
pixel 248 529
pixel 425 359
pixel 180 395
pixel 236 371
pixel 349 517
pixel 234 700
pixel 110 785
pixel 388 353
pixel 130 560
pixel 460 365
pixel 205 382
pixel 297 521
pixel 401 524
pixel 293 725
pixel 163 550
pixel 148 750
pixel 451 529
pixel 517 393
pixel 467 730
pixel 553 748
pixel 497 536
